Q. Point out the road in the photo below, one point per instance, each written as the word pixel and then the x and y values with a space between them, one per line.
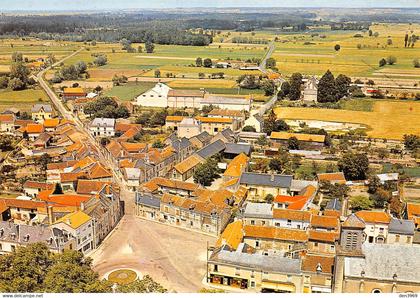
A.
pixel 174 257
pixel 270 51
pixel 59 105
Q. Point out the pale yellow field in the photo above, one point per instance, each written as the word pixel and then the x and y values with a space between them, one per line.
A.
pixel 389 119
pixel 203 83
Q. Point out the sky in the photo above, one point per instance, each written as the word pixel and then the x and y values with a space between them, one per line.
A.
pixel 26 5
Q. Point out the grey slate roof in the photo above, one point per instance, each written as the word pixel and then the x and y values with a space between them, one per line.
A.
pixel 211 149
pixel 233 148
pixel 384 261
pixel 103 122
pixel 257 261
pixel 37 107
pixel 283 181
pixel 258 210
pixel 147 200
pixel 180 144
pixel 203 137
pixel 401 226
pixel 334 204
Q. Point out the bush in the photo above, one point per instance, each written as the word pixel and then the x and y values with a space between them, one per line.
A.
pixel 391 60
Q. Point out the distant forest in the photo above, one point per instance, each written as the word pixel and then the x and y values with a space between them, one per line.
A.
pixel 178 28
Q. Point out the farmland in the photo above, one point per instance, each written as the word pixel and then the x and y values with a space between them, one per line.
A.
pixel 22 100
pixel 389 119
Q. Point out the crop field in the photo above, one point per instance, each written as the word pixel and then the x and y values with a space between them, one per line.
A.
pixel 389 119
pixel 22 100
pixel 129 91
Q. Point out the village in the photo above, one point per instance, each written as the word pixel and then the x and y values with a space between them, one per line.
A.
pixel 292 206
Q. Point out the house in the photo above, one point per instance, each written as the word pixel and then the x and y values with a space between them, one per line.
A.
pixel 377 222
pixel 325 223
pixel 7 122
pixel 201 140
pixel 147 206
pixel 73 93
pixel 255 121
pixel 413 213
pixel 388 177
pixel 236 167
pixel 51 124
pixel 32 188
pixel 234 149
pixel 226 136
pixel 293 219
pixel 33 130
pixel 259 214
pixel 80 226
pixel 155 97
pixel 333 178
pixel 188 127
pixel 301 201
pixel 40 112
pixel 185 169
pixel 253 272
pixel 232 114
pixel 13 235
pixel 322 242
pixel 385 268
pixel 273 239
pixel 251 137
pixel 211 149
pixel 310 93
pixel 132 177
pixel 179 99
pixel 307 141
pixel 102 127
pixel 319 272
pixel 260 185
pixel 224 102
pixel 400 231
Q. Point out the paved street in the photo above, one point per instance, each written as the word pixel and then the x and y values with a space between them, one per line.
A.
pixel 174 257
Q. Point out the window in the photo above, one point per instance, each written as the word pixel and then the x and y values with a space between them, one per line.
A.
pixel 13 248
pixel 397 238
pixel 216 268
pixel 252 222
pixel 263 222
pixel 381 230
pixel 376 291
pixel 370 239
pixel 257 243
pixel 316 244
pixel 252 284
pixel 408 239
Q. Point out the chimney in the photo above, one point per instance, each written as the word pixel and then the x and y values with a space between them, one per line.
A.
pixel 69 221
pixel 82 206
pixel 50 213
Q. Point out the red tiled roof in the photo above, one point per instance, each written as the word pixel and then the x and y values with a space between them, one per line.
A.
pixel 275 233
pixel 374 216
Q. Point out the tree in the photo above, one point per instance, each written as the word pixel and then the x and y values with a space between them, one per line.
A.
pixel 269 198
pixel 281 125
pixel 381 197
pixel 16 84
pixel 396 206
pixel 199 62
pixel 358 203
pixel 354 165
pixel 4 82
pixel 389 41
pixel 269 87
pixel 158 144
pixel 150 47
pixel 34 269
pixel 416 63
pixel 19 71
pixel 144 285
pixel 100 60
pixel 17 57
pixel 327 91
pixel 373 184
pixel 382 62
pixel 335 190
pixel 411 142
pixel 391 60
pixel 285 88
pixel 126 44
pixel 81 67
pixel 262 141
pixel 270 63
pixel 293 143
pixel 295 82
pixel 248 82
pixel 370 32
pixel 157 73
pixel 207 62
pixel 206 172
pixel 342 85
pixel 270 122
pixel 337 47
pixel 44 160
pixel 201 75
pixel 105 141
pixel 249 128
pixel 140 49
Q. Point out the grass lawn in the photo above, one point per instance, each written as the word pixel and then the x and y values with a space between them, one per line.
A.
pixel 130 90
pixel 357 104
pixel 388 119
pixel 412 172
pixel 306 168
pixel 22 100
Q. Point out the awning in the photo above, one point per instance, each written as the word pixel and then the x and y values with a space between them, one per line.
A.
pixel 278 286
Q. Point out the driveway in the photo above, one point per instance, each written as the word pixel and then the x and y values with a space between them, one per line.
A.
pixel 174 257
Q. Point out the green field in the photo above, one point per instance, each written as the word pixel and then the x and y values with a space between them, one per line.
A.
pixel 129 91
pixel 22 100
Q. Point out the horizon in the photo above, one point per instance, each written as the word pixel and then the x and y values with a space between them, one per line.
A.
pixel 106 5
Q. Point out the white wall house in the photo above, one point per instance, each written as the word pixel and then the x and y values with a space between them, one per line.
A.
pixel 102 127
pixel 310 93
pixel 155 97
